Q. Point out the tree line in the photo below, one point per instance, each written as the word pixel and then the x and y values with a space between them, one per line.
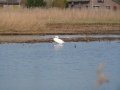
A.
pixel 42 3
pixel 117 1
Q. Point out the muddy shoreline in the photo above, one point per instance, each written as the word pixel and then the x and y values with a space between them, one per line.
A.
pixel 75 39
pixel 70 29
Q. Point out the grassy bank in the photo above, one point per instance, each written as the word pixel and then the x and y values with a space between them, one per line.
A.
pixel 25 20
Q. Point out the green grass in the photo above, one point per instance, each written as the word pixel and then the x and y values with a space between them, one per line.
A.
pixel 84 21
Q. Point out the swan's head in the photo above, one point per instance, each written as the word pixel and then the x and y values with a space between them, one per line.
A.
pixel 56 36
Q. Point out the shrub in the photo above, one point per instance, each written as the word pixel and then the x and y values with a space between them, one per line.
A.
pixel 36 3
pixel 60 3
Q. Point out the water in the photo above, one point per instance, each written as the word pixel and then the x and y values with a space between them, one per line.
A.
pixel 29 37
pixel 48 66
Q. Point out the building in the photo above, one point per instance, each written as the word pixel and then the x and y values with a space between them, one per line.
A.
pixel 10 3
pixel 79 4
pixel 94 4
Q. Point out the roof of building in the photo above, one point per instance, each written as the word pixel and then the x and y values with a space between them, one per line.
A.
pixel 2 0
pixel 9 1
pixel 77 0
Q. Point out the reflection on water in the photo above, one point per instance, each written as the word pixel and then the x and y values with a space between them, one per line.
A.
pixel 46 66
pixel 58 46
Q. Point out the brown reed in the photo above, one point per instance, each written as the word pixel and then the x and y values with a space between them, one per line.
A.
pixel 101 76
pixel 34 20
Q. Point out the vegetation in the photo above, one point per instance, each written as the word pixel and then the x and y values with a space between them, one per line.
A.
pixel 60 3
pixel 36 3
pixel 34 20
pixel 117 1
pixel 30 3
pixel 49 3
pixel 24 3
pixel 42 3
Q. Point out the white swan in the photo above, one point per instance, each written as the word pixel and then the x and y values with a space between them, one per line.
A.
pixel 56 39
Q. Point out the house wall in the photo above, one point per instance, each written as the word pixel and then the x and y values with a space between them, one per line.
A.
pixel 116 5
pixel 80 5
pixel 1 6
pixel 105 4
pixel 10 3
pixel 10 6
pixel 95 4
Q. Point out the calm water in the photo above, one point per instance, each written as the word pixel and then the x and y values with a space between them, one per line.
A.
pixel 29 37
pixel 46 66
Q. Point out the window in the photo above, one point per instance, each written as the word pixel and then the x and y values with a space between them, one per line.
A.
pixel 79 3
pixel 107 7
pixel 96 7
pixel 100 1
pixel 72 3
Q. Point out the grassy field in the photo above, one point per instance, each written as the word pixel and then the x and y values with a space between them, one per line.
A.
pixel 35 20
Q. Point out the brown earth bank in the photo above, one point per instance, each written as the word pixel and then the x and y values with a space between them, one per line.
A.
pixel 50 40
pixel 83 28
pixel 70 29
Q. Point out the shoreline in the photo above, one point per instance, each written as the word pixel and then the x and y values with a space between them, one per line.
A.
pixel 69 29
pixel 50 40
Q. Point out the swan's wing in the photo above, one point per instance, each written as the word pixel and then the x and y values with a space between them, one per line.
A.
pixel 58 40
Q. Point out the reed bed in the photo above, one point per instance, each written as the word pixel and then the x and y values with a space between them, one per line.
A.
pixel 35 20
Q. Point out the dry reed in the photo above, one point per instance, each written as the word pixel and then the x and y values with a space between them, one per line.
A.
pixel 101 76
pixel 34 20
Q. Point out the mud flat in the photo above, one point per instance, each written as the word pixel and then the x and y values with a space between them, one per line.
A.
pixel 75 39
